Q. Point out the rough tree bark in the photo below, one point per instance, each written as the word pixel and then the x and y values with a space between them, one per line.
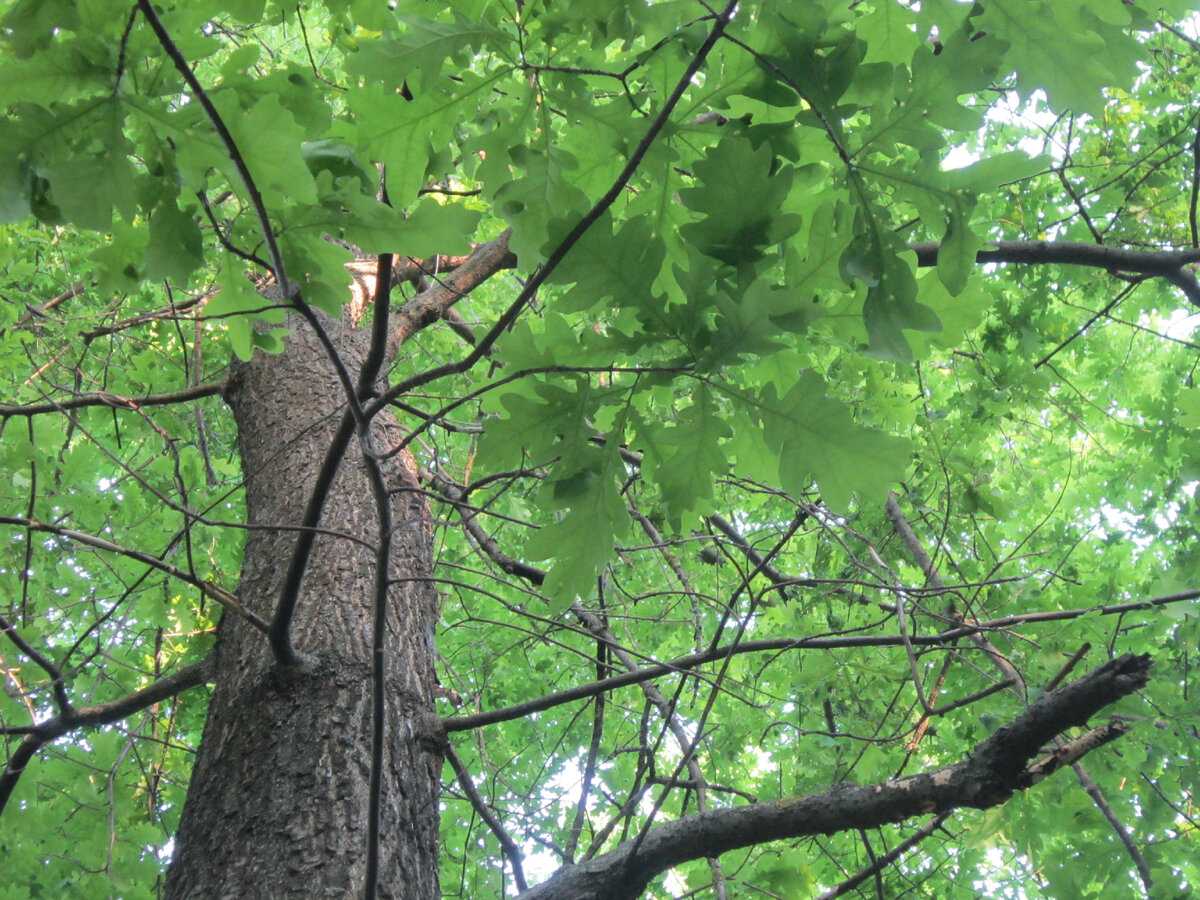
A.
pixel 279 794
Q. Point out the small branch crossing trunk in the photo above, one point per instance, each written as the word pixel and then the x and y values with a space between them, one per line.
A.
pixel 278 799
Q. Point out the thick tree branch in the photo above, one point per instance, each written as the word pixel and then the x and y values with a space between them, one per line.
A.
pixel 1071 253
pixel 1168 264
pixel 997 768
pixel 1009 672
pixel 432 304
pixel 407 268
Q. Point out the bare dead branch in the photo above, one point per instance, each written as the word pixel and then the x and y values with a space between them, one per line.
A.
pixel 879 863
pixel 39 312
pixel 507 845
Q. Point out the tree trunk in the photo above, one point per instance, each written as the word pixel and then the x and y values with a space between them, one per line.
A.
pixel 279 794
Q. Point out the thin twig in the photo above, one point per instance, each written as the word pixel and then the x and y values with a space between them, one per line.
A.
pixel 507 845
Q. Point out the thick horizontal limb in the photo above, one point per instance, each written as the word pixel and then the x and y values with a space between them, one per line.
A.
pixel 1168 264
pixel 996 769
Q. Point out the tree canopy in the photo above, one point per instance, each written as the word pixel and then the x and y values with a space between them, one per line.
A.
pixel 803 393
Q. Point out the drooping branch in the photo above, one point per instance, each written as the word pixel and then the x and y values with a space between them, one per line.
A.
pixel 1000 766
pixel 38 736
pixel 879 863
pixel 765 568
pixel 1168 264
pixel 922 558
pixel 507 845
pixel 230 146
pixel 368 373
pixel 52 670
pixel 1110 816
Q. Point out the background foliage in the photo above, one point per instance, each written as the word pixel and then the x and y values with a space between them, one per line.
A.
pixel 691 425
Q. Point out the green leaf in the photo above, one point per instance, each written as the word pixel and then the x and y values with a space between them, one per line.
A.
pixel 810 54
pixel 30 25
pixel 746 325
pixel 958 313
pixel 175 249
pixel 271 143
pixel 246 10
pixel 887 29
pixel 318 266
pixel 405 134
pixel 814 263
pixel 740 200
pixel 435 227
pixel 689 456
pixel 1056 48
pixel 543 205
pixel 118 260
pixel 581 542
pixel 424 47
pixel 621 268
pixel 61 73
pixel 16 189
pixel 1189 408
pixel 339 160
pixel 817 438
pixel 233 304
pixel 539 421
pixel 87 187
